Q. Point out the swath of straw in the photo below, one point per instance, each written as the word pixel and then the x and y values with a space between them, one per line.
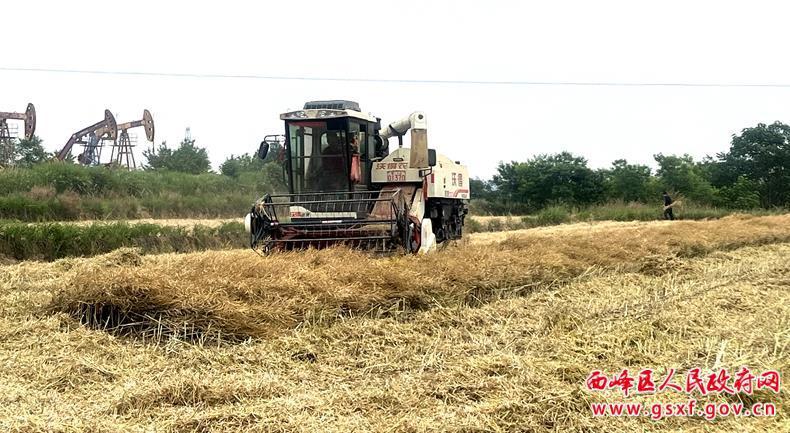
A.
pixel 239 294
pixel 517 364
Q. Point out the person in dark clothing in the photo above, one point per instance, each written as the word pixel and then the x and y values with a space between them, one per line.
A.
pixel 668 210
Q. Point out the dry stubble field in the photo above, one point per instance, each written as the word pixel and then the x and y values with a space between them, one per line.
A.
pixel 497 333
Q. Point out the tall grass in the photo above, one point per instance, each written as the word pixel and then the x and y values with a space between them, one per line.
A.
pixel 619 211
pixel 67 192
pixel 69 207
pixel 101 181
pixel 49 241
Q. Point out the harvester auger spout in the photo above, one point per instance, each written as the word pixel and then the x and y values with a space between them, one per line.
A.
pixel 345 187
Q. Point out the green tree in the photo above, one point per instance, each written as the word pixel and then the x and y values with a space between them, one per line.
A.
pixel 549 179
pixel 482 189
pixel 235 165
pixel 269 179
pixel 682 175
pixel 231 167
pixel 267 175
pixel 29 151
pixel 187 158
pixel 743 194
pixel 627 182
pixel 762 155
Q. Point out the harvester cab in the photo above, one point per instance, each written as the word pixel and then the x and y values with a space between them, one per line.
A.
pixel 345 187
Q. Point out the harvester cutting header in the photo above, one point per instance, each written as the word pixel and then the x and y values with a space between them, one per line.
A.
pixel 345 187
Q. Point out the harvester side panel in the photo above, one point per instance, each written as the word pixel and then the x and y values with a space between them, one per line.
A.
pixel 446 179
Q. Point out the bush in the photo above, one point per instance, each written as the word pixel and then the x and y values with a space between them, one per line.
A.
pixel 743 194
pixel 484 207
pixel 494 225
pixel 619 211
pixel 471 225
pixel 187 158
pixel 553 215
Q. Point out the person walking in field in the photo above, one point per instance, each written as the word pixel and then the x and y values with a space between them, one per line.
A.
pixel 668 207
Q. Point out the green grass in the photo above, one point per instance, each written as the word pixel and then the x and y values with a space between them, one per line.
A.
pixel 68 207
pixel 102 181
pixel 50 241
pixel 67 192
pixel 618 211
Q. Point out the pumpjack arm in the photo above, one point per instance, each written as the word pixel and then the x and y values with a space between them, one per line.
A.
pixel 29 116
pixel 146 122
pixel 108 127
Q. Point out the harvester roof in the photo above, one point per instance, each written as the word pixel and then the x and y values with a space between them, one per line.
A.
pixel 329 109
pixel 333 104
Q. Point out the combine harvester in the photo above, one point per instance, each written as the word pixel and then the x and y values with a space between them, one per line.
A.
pixel 345 187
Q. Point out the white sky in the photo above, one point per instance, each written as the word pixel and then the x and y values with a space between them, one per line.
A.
pixel 579 41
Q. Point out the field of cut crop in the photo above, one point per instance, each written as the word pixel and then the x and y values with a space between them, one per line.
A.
pixel 496 333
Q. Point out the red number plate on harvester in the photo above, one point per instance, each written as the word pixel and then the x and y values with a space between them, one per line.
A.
pixel 396 176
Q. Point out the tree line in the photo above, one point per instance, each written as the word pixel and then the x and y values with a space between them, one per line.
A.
pixel 187 158
pixel 754 172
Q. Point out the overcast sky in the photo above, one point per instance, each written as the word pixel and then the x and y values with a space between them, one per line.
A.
pixel 707 42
